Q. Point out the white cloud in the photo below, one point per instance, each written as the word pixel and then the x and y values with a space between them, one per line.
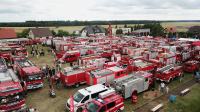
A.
pixel 22 10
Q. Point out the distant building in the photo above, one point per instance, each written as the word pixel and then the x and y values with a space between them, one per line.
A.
pixel 124 30
pixel 7 33
pixel 40 32
pixel 141 32
pixel 93 30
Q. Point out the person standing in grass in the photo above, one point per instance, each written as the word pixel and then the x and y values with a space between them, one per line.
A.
pixel 53 70
pixel 162 85
pixel 167 89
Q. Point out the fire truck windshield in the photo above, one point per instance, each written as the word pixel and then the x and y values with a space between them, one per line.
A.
pixel 78 96
pixel 92 107
pixel 34 77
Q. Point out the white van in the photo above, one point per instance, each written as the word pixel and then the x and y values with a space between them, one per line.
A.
pixel 83 96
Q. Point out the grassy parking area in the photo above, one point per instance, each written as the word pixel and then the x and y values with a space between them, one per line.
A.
pixel 187 103
pixel 40 98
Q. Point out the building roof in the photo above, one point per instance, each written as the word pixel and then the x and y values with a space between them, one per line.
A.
pixel 94 29
pixel 41 32
pixel 7 33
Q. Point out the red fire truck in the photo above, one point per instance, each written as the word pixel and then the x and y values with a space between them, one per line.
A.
pixel 138 65
pixel 191 66
pixel 168 73
pixel 5 53
pixel 68 56
pixel 108 101
pixel 28 72
pixel 105 75
pixel 11 91
pixel 72 76
pixel 21 52
pixel 109 64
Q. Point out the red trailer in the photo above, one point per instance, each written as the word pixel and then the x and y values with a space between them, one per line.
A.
pixel 72 76
pixel 105 75
pixel 191 66
pixel 139 65
pixel 168 73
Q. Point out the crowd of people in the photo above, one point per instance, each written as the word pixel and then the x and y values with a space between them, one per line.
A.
pixel 35 51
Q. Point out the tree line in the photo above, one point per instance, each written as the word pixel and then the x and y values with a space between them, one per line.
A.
pixel 70 23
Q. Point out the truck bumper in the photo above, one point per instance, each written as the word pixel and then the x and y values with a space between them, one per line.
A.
pixel 29 87
pixel 22 108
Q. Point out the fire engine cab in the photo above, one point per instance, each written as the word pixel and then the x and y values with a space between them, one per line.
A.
pixel 11 92
pixel 108 101
pixel 5 53
pixel 85 95
pixel 168 73
pixel 29 73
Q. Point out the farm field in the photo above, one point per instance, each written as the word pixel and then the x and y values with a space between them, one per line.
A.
pixel 180 26
pixel 40 98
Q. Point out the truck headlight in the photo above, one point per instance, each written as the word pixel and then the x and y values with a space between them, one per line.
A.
pixel 4 100
pixel 17 97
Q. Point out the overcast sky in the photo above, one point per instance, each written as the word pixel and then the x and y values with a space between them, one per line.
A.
pixel 22 10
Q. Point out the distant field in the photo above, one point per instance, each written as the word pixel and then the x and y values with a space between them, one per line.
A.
pixel 180 26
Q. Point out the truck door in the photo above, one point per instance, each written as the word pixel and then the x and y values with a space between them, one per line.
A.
pixel 146 83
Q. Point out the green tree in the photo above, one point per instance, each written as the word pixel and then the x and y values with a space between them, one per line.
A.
pixel 119 31
pixel 53 32
pixel 23 34
pixel 62 33
pixel 156 29
pixel 194 31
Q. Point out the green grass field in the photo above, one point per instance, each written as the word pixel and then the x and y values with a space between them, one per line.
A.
pixel 188 103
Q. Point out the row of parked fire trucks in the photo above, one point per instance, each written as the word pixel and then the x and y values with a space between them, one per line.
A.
pixel 128 65
pixel 17 75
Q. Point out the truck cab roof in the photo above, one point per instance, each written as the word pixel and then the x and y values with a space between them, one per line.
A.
pixel 9 82
pixel 70 71
pixel 115 69
pixel 101 73
pixel 93 89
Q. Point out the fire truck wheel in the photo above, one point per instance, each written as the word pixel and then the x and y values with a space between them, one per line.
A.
pixel 77 85
pixel 80 109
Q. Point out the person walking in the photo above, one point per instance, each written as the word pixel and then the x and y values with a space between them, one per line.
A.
pixel 33 53
pixel 36 53
pixel 162 85
pixel 47 71
pixel 167 89
pixel 53 71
